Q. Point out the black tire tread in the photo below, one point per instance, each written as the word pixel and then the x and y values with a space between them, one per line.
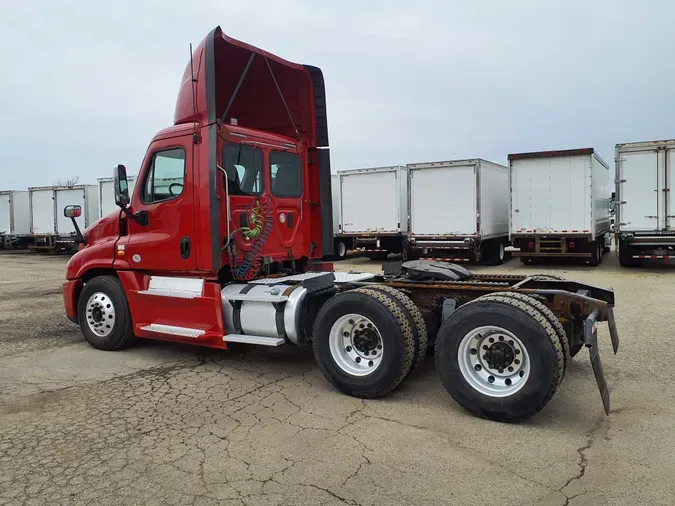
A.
pixel 112 284
pixel 417 319
pixel 550 332
pixel 548 328
pixel 550 318
pixel 405 323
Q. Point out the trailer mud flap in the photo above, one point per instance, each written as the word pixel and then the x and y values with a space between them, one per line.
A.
pixel 591 340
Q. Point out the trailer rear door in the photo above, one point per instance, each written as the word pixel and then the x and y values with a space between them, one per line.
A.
pixel 443 200
pixel 639 190
pixel 5 225
pixel 370 202
pixel 42 211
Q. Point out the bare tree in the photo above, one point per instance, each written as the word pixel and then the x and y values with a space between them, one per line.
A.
pixel 70 181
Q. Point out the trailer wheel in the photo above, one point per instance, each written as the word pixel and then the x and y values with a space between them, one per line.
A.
pixel 104 315
pixel 498 359
pixel 549 317
pixel 363 343
pixel 493 253
pixel 340 250
pixel 415 315
pixel 597 254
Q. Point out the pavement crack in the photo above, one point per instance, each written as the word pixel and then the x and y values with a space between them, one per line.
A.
pixel 583 465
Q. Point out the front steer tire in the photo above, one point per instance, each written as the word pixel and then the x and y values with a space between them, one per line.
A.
pixel 101 298
pixel 542 347
pixel 397 341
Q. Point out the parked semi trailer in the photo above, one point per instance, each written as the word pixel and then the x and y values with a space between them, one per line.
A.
pixel 373 207
pixel 459 211
pixel 106 195
pixel 49 229
pixel 14 218
pixel 645 204
pixel 560 204
pixel 217 259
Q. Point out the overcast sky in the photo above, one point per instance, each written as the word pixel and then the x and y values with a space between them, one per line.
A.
pixel 86 84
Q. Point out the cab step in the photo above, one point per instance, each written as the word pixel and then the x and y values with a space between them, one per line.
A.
pixel 172 330
pixel 259 340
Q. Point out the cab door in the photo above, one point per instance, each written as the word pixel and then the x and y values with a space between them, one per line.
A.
pixel 163 201
pixel 286 190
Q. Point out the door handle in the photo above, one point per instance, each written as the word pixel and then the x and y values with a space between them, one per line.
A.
pixel 185 247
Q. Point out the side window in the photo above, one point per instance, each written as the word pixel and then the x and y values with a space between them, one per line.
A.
pixel 166 177
pixel 285 174
pixel 243 166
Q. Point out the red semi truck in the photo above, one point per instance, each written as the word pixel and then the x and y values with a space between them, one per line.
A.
pixel 222 238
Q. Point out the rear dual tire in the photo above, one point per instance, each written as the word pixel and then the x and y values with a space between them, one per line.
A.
pixel 367 341
pixel 480 341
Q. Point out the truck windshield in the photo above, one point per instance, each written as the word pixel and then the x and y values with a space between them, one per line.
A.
pixel 243 166
pixel 285 174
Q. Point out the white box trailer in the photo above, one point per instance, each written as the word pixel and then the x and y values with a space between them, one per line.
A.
pixel 47 204
pixel 373 209
pixel 14 217
pixel 106 194
pixel 645 201
pixel 560 205
pixel 459 210
pixel 341 244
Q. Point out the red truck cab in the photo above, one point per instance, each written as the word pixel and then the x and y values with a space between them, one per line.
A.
pixel 240 184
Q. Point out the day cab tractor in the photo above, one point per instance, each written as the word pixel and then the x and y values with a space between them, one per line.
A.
pixel 222 239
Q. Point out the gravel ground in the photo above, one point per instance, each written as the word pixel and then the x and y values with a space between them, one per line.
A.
pixel 169 424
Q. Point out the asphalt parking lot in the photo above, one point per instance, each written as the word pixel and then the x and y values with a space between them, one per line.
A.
pixel 169 424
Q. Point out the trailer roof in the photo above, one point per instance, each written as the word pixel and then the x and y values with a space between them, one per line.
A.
pixel 550 154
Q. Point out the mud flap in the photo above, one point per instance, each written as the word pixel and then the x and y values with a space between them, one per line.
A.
pixel 591 341
pixel 613 333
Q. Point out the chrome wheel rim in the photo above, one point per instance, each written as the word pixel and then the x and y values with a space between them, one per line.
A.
pixel 100 314
pixel 342 250
pixel 493 361
pixel 356 345
pixel 501 251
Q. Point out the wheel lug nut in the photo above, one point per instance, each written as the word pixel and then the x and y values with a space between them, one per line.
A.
pixel 491 379
pixel 510 369
pixel 358 360
pixel 379 346
pixel 501 370
pixel 485 347
pixel 346 334
pixel 369 325
pixel 511 342
pixel 473 351
pixel 362 326
pixel 516 361
pixel 349 348
pixel 492 339
pixel 477 367
pixel 351 322
pixel 501 338
pixel 517 352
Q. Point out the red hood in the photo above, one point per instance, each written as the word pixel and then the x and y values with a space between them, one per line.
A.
pixel 220 61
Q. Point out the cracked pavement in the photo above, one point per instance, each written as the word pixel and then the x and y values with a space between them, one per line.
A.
pixel 172 424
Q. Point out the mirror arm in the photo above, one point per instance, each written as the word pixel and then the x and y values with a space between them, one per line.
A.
pixel 79 238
